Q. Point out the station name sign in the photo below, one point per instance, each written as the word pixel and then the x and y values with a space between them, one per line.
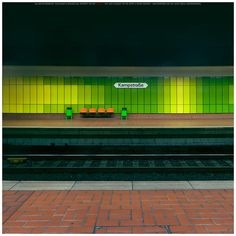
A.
pixel 131 85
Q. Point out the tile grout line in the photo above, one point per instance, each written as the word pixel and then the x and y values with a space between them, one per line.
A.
pixel 10 189
pixel 23 202
pixel 190 184
pixel 73 185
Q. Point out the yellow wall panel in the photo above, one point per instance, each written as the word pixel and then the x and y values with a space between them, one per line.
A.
pixel 13 80
pixel 13 108
pixel 6 81
pixel 173 108
pixel 180 97
pixel 173 93
pixel 231 94
pixel 47 94
pixel 6 94
pixel 33 94
pixel 39 108
pixel 193 97
pixel 180 108
pixel 101 94
pixel 33 80
pixel 173 81
pixel 186 81
pixel 67 94
pixel 80 91
pixel 26 108
pixel 20 80
pixel 193 108
pixel 26 80
pixel 186 108
pixel 33 109
pixel 6 108
pixel 186 95
pixel 61 94
pixel 12 94
pixel 19 108
pixel 87 91
pixel 20 94
pixel 180 81
pixel 39 94
pixel 74 94
pixel 26 94
pixel 39 80
pixel 54 94
pixel 193 81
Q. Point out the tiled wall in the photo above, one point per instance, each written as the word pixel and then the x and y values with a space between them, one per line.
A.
pixel 163 94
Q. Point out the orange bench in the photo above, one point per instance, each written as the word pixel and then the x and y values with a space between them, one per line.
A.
pixel 110 110
pixel 83 110
pixel 92 112
pixel 101 110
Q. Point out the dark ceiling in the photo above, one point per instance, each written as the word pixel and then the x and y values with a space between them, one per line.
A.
pixel 118 35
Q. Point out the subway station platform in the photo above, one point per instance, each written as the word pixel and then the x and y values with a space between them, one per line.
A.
pixel 134 121
pixel 175 209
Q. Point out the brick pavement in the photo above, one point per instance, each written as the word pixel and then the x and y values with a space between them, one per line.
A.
pixel 144 211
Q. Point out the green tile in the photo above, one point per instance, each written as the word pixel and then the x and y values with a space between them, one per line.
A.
pixel 33 109
pixel 206 92
pixel 121 96
pixel 153 108
pixel 47 108
pixel 26 108
pixel 225 108
pixel 134 96
pixel 134 108
pixel 53 80
pixel 153 92
pixel 193 108
pixel 231 108
pixel 67 81
pixel 212 94
pixel 219 93
pixel 160 108
pixel 47 80
pixel 53 108
pixel 75 108
pixel 60 80
pixel 219 108
pixel 225 94
pixel 94 91
pixel 199 109
pixel 213 108
pixel 167 108
pixel 206 108
pixel 114 92
pixel 60 108
pixel 147 108
pixel 141 109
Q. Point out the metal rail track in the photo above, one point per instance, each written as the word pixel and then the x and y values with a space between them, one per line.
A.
pixel 156 165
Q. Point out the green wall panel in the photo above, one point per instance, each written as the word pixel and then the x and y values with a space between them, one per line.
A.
pixel 163 94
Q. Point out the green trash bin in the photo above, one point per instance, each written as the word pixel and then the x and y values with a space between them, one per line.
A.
pixel 124 114
pixel 69 113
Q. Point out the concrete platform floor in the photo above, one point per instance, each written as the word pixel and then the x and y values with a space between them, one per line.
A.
pixel 120 211
pixel 134 121
pixel 114 185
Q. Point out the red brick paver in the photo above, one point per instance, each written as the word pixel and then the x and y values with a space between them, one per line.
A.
pixel 160 211
pixel 12 200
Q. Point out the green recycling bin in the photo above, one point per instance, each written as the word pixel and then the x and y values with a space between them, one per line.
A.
pixel 69 113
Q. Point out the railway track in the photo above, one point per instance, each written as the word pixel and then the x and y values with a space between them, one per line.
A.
pixel 118 153
pixel 121 166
